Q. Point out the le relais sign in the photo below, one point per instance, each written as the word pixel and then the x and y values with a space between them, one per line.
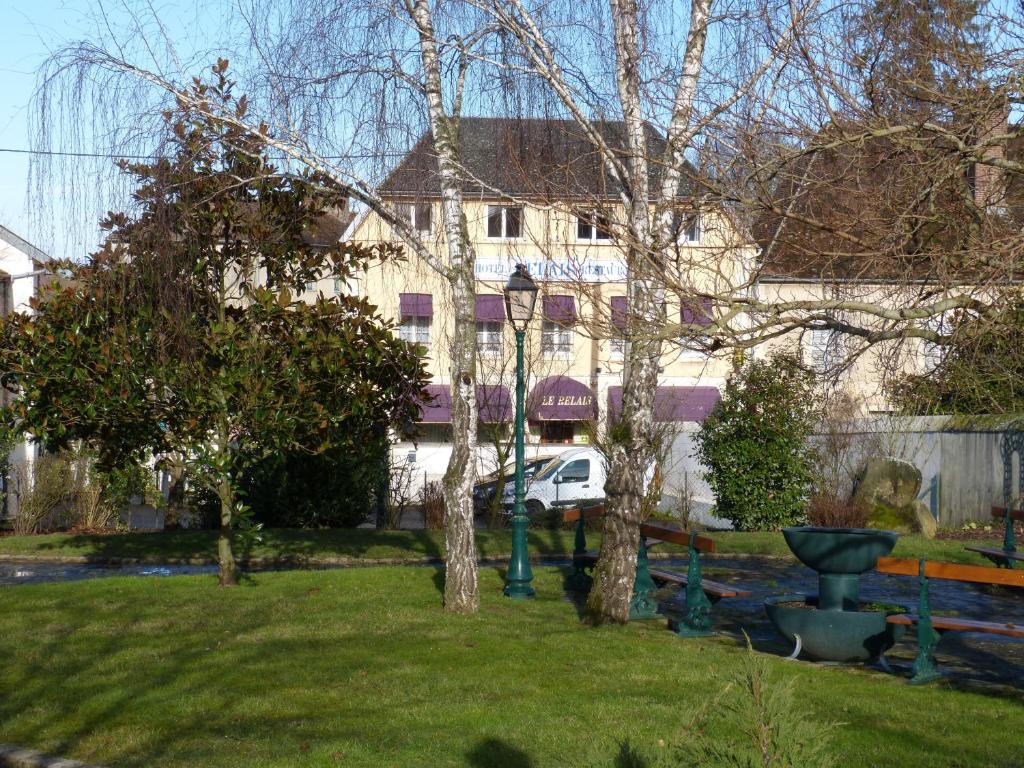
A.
pixel 555 270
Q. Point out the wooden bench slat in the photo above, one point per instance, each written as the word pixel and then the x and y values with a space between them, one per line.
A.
pixel 713 588
pixel 701 543
pixel 1000 513
pixel 996 552
pixel 953 624
pixel 978 574
pixel 572 515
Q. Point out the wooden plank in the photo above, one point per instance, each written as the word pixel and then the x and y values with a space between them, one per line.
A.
pixel 996 552
pixel 1000 513
pixel 572 515
pixel 978 574
pixel 702 543
pixel 712 588
pixel 952 624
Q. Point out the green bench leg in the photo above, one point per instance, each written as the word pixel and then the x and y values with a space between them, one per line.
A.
pixel 579 580
pixel 925 668
pixel 697 621
pixel 1009 538
pixel 643 605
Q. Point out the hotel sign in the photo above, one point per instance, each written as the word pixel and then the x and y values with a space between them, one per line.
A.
pixel 555 270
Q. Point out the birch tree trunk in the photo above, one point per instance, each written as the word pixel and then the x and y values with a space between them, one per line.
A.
pixel 461 592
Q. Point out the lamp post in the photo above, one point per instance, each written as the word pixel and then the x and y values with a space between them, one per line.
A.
pixel 520 297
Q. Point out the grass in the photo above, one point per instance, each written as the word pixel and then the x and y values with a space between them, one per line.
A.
pixel 360 667
pixel 397 546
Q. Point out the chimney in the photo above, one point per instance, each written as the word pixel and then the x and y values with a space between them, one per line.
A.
pixel 987 181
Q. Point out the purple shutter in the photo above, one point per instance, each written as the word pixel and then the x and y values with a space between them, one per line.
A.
pixel 619 310
pixel 697 311
pixel 415 305
pixel 490 308
pixel 560 309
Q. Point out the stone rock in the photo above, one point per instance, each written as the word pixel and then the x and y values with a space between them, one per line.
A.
pixel 889 482
pixel 925 522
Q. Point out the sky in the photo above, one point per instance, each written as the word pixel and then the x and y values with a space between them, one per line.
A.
pixel 30 29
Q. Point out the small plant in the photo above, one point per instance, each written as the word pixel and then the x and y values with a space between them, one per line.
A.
pixel 756 444
pixel 44 493
pixel 831 512
pixel 433 505
pixel 761 726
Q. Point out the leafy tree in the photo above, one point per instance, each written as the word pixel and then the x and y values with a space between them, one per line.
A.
pixel 755 444
pixel 980 370
pixel 181 338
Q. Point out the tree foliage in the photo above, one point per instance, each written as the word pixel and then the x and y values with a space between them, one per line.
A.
pixel 181 336
pixel 755 444
pixel 980 372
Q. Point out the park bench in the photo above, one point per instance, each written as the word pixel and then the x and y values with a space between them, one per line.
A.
pixel 928 627
pixel 1008 555
pixel 700 593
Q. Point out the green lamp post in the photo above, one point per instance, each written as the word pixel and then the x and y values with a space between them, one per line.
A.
pixel 520 297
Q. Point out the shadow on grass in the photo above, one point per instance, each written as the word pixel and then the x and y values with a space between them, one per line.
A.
pixel 495 753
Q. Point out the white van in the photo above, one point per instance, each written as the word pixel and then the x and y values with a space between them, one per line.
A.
pixel 570 479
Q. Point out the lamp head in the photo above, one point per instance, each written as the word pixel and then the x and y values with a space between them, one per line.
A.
pixel 520 297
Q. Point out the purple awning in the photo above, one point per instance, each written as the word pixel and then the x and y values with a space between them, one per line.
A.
pixel 490 308
pixel 696 311
pixel 437 409
pixel 671 403
pixel 415 305
pixel 494 403
pixel 559 398
pixel 619 309
pixel 560 309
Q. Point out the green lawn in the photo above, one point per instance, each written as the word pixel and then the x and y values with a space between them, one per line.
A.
pixel 395 546
pixel 360 667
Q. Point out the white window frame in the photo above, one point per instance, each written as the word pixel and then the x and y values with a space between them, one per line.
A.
pixel 617 347
pixel 933 354
pixel 594 238
pixel 489 337
pixel 556 339
pixel 415 330
pixel 504 209
pixel 824 346
pixel 409 212
pixel 311 286
pixel 690 234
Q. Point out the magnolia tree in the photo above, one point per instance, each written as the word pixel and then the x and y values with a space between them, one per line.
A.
pixel 181 337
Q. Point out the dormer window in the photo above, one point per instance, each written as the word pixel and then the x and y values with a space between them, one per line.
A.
pixel 504 221
pixel 417 215
pixel 593 228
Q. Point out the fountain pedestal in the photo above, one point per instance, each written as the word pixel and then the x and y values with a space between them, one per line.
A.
pixel 831 625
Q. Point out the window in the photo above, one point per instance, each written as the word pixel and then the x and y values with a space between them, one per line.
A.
pixel 488 337
pixel 556 432
pixel 933 354
pixel 415 330
pixel 593 228
pixel 311 286
pixel 686 225
pixel 618 347
pixel 337 286
pixel 577 471
pixel 556 338
pixel 504 221
pixel 417 215
pixel 826 348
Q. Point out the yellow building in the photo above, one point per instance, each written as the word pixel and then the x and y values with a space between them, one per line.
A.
pixel 556 215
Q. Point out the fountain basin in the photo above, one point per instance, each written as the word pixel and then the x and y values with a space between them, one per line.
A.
pixel 839 550
pixel 847 635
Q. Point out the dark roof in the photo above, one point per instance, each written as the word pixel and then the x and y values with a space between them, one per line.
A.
pixel 872 190
pixel 327 229
pixel 523 157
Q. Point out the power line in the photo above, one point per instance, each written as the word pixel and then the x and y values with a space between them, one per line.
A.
pixel 111 156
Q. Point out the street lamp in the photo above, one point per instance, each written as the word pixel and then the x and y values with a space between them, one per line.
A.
pixel 520 297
